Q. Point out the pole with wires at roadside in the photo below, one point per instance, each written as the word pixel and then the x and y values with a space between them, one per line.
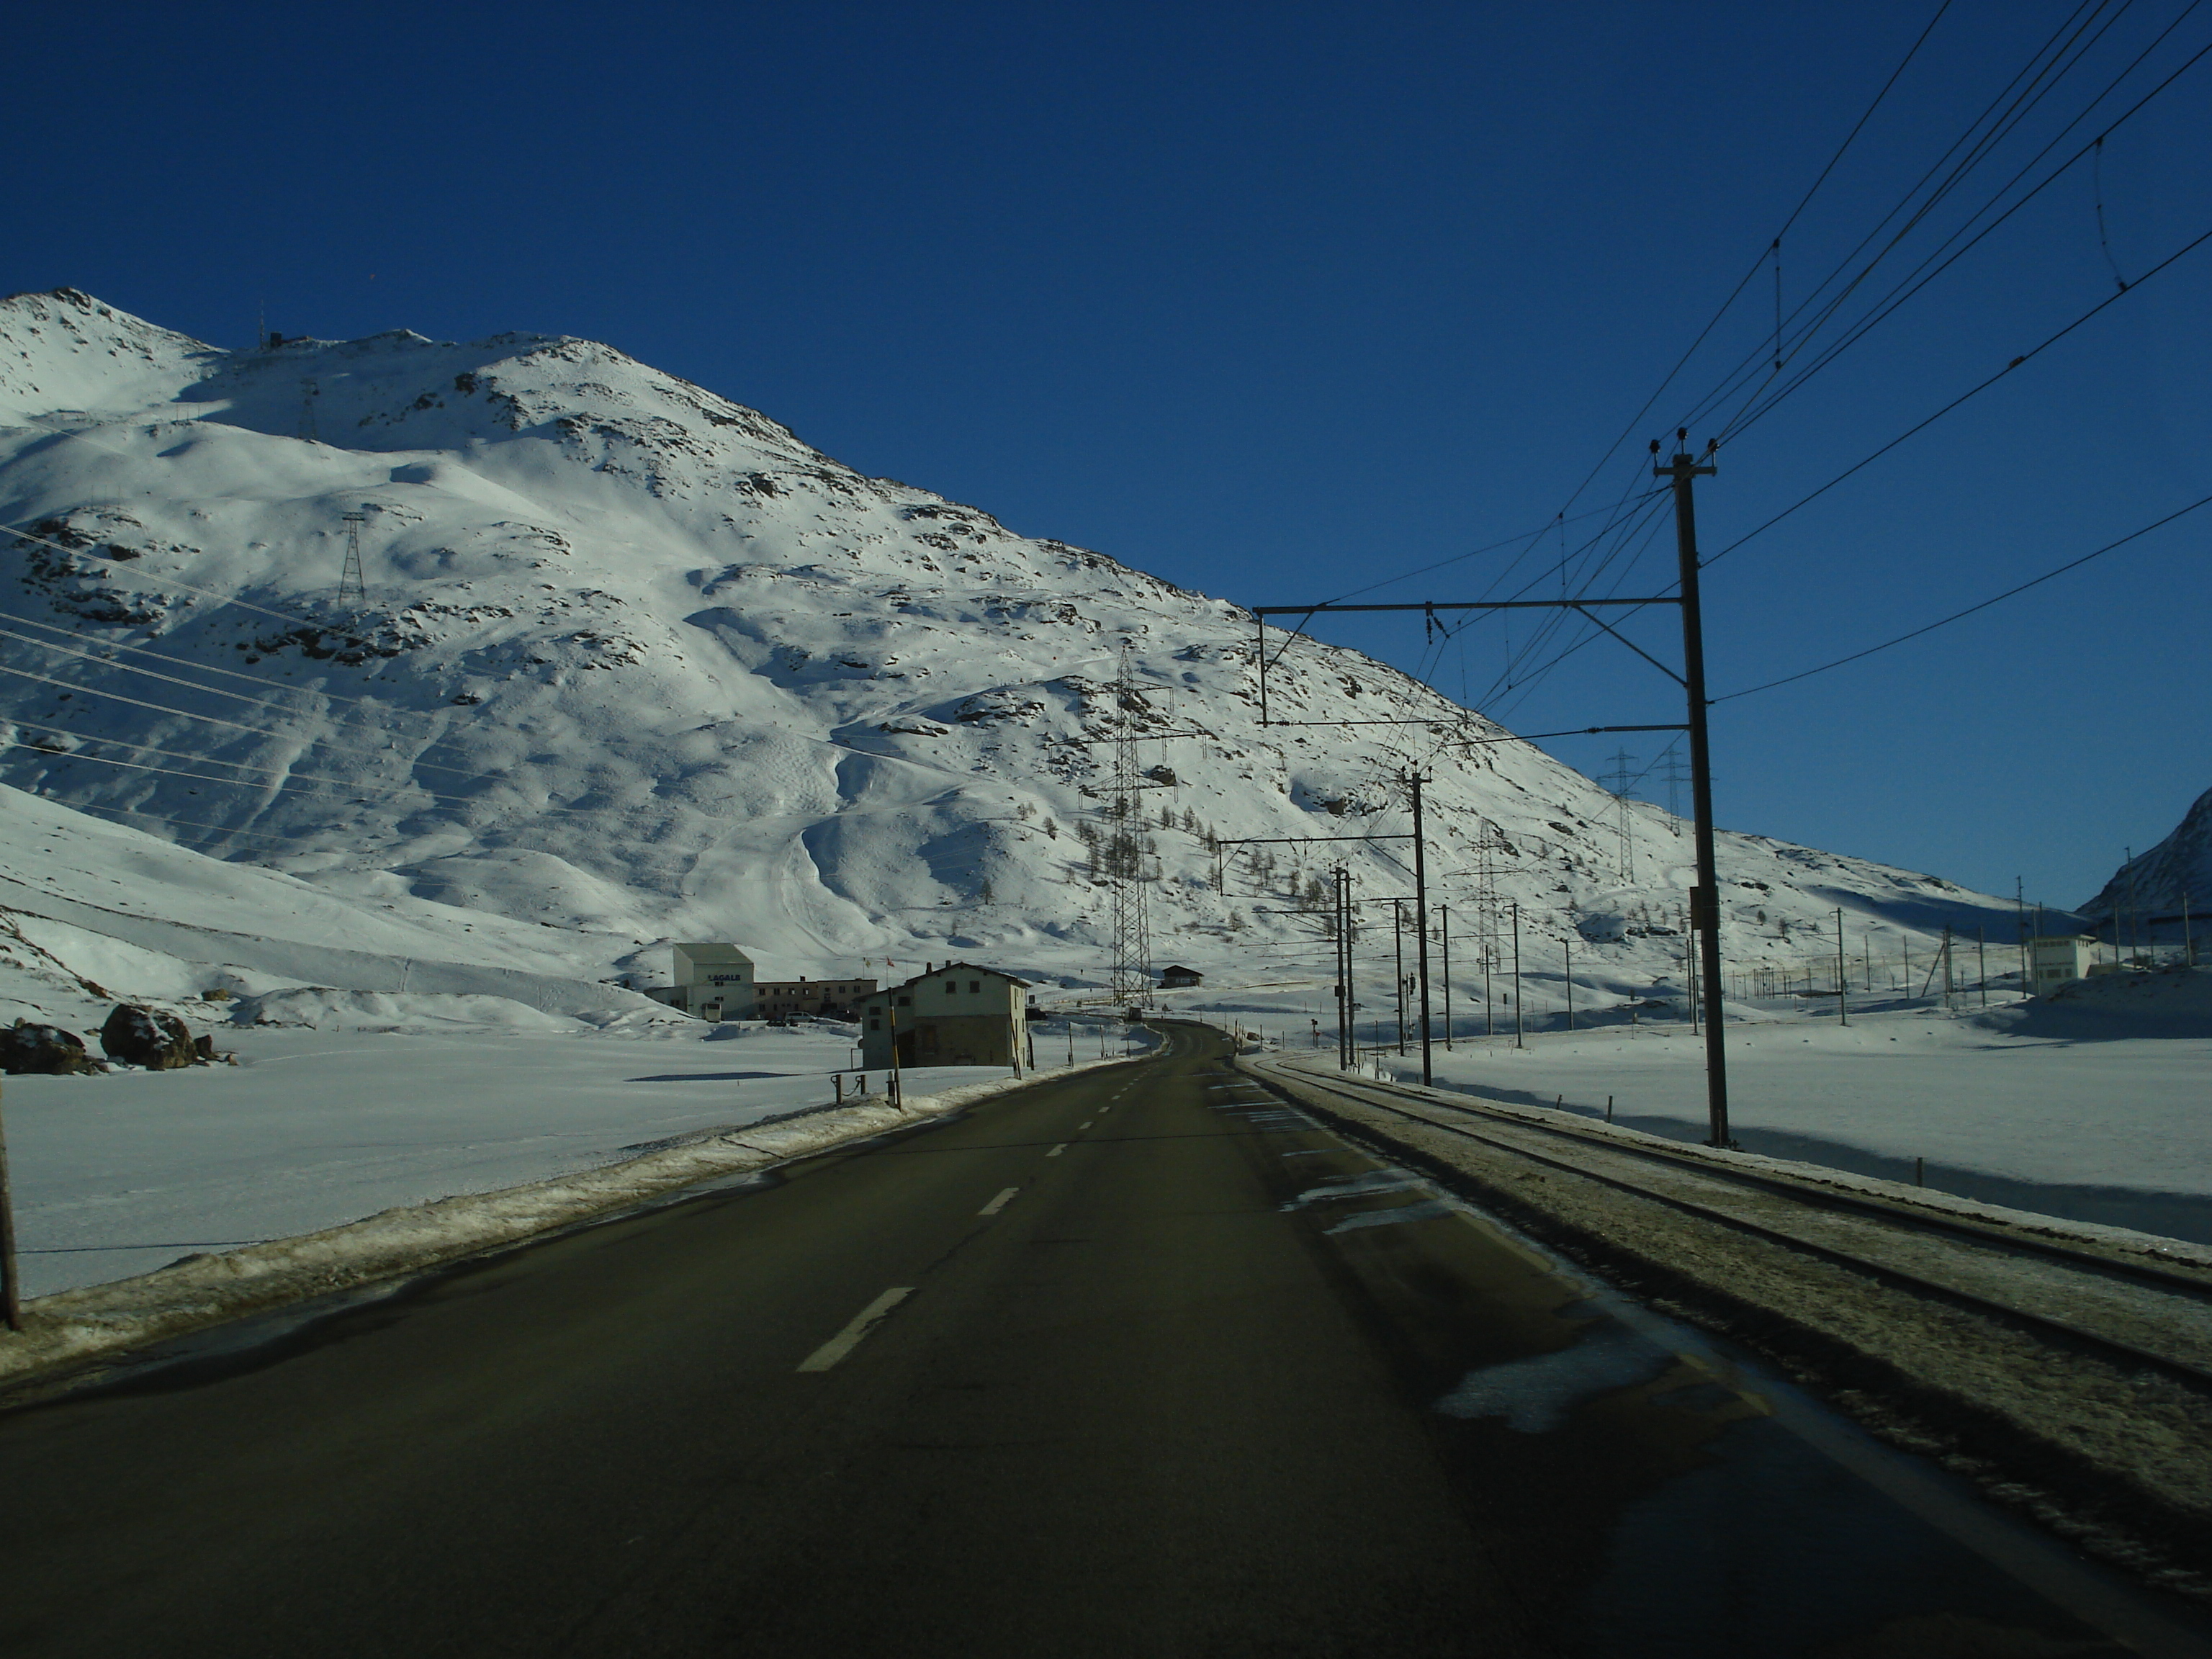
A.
pixel 11 1292
pixel 1682 471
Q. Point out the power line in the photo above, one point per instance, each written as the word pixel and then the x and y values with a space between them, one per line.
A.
pixel 1660 391
pixel 1807 500
pixel 1971 392
pixel 216 720
pixel 1922 275
pixel 1490 547
pixel 2055 49
pixel 1977 151
pixel 262 680
pixel 373 792
pixel 165 581
pixel 1703 334
pixel 155 674
pixel 180 754
pixel 2037 581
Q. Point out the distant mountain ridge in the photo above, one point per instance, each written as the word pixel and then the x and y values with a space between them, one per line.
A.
pixel 637 662
pixel 2155 882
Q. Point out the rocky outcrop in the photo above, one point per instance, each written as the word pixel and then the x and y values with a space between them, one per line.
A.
pixel 147 1037
pixel 26 1047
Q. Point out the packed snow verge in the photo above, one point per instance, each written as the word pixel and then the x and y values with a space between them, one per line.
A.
pixel 72 1329
pixel 2114 1457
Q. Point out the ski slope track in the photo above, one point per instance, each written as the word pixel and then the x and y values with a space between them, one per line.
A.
pixel 637 664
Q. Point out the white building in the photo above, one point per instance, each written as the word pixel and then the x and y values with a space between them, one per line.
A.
pixel 713 981
pixel 2056 958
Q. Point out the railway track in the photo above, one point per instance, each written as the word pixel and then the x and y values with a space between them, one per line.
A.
pixel 2132 1315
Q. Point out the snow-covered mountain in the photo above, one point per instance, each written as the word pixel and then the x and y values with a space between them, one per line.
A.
pixel 636 663
pixel 2155 883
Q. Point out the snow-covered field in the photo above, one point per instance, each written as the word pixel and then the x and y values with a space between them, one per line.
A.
pixel 2095 1106
pixel 123 1174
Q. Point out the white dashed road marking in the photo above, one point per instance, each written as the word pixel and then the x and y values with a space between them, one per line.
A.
pixel 998 1203
pixel 1058 1150
pixel 849 1339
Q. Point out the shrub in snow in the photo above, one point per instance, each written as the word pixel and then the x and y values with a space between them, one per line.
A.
pixel 26 1047
pixel 144 1037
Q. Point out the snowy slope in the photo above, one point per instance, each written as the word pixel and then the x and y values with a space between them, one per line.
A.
pixel 92 912
pixel 2156 882
pixel 638 662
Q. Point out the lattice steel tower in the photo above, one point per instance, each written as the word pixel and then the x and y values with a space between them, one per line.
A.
pixel 1618 780
pixel 1125 842
pixel 350 584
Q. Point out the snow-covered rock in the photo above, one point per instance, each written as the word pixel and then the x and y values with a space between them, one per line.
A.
pixel 635 663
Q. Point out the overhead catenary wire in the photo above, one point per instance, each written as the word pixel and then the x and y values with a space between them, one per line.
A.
pixel 1975 391
pixel 1922 275
pixel 1637 420
pixel 1697 341
pixel 1488 547
pixel 1995 598
pixel 1920 426
pixel 2058 43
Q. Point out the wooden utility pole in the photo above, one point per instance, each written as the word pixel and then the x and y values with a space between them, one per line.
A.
pixel 1346 1036
pixel 1520 1026
pixel 1843 974
pixel 1421 926
pixel 1444 912
pixel 1567 944
pixel 1704 897
pixel 11 1291
pixel 1398 957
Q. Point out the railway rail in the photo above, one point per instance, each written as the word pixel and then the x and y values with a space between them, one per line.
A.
pixel 2132 1315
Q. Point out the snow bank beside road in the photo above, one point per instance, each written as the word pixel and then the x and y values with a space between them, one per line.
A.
pixel 119 1174
pixel 79 1325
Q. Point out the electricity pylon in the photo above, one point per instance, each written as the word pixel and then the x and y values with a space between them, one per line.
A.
pixel 350 583
pixel 1125 842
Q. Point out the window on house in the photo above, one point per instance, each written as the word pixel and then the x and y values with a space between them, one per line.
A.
pixel 973 986
pixel 906 1002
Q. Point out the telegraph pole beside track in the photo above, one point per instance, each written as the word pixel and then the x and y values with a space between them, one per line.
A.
pixel 1704 897
pixel 1421 923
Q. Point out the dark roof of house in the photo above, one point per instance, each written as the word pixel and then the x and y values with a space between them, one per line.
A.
pixel 955 967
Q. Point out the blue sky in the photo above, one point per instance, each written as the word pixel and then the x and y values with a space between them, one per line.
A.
pixel 1278 302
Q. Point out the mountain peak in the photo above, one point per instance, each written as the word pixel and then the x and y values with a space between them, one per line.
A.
pixel 633 659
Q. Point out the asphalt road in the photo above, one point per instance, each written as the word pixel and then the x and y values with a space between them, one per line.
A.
pixel 1137 1363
